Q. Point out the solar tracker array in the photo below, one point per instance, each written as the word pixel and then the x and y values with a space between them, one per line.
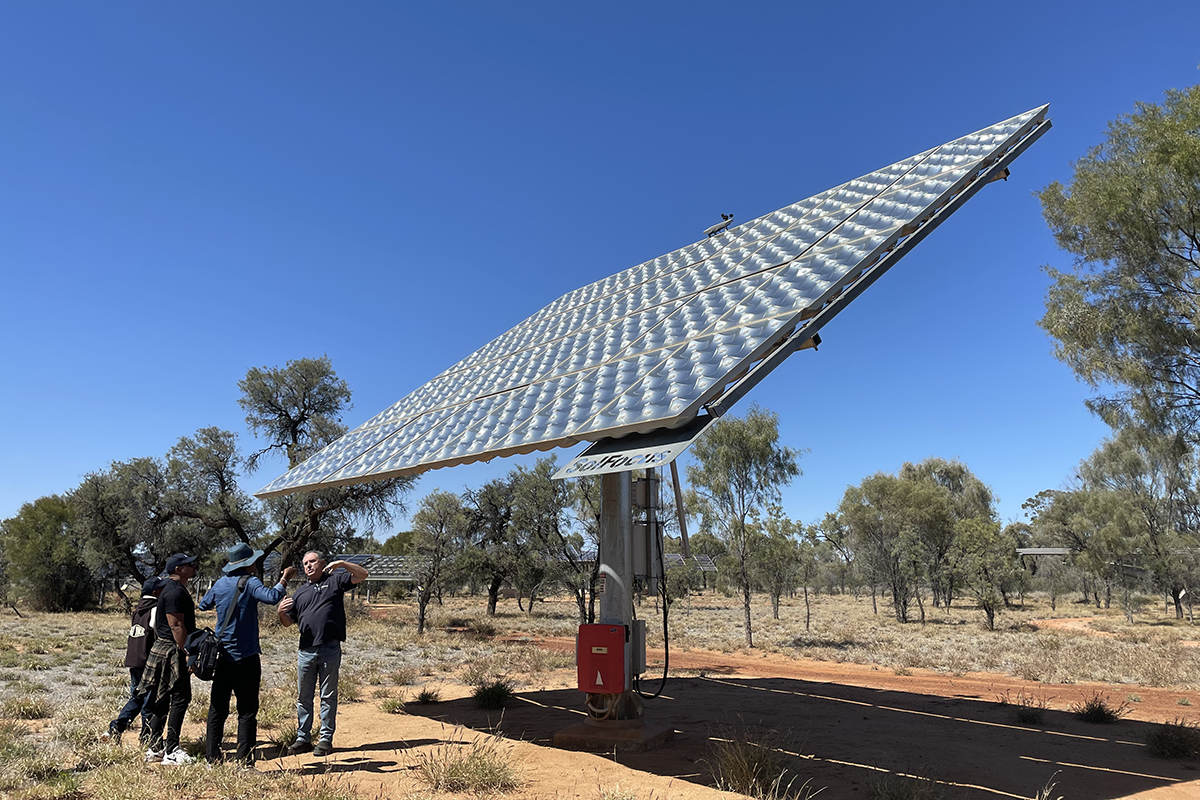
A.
pixel 648 347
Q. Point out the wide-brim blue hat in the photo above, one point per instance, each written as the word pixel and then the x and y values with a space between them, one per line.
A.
pixel 241 555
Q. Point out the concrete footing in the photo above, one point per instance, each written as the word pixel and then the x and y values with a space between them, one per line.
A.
pixel 607 737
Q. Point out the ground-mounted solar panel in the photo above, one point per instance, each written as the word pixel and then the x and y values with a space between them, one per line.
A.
pixel 673 560
pixel 705 563
pixel 657 345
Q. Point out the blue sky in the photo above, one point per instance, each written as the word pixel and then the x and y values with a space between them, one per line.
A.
pixel 190 190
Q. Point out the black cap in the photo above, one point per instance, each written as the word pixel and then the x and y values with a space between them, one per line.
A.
pixel 152 585
pixel 178 560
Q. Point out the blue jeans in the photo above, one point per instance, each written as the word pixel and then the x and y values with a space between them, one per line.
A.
pixel 312 664
pixel 135 704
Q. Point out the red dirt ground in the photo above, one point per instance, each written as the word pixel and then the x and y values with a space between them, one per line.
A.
pixel 845 724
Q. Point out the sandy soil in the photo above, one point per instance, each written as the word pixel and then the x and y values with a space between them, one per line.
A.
pixel 845 725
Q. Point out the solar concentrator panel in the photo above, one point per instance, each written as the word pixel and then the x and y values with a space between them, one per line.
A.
pixel 673 560
pixel 651 346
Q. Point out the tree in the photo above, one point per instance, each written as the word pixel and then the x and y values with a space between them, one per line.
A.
pixel 133 515
pixel 1127 313
pixel 1155 472
pixel 298 410
pixel 969 498
pixel 775 556
pixel 988 563
pixel 739 468
pixel 438 530
pixel 45 556
pixel 541 514
pixel 884 514
pixel 494 550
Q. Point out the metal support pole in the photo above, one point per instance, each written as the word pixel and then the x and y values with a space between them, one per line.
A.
pixel 616 565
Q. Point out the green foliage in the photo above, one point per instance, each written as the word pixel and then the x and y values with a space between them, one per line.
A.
pixel 739 466
pixel 494 695
pixel 1125 314
pixel 43 551
pixel 134 514
pixel 439 530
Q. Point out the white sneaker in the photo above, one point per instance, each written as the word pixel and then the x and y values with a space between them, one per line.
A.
pixel 154 756
pixel 177 758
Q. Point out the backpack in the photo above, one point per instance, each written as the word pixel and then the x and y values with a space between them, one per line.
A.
pixel 203 646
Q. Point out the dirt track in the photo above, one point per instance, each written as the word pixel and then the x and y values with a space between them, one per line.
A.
pixel 845 724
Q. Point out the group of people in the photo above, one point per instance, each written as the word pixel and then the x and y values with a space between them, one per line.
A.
pixel 158 659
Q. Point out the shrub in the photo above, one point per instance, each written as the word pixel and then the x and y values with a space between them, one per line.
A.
pixel 493 695
pixel 1097 709
pixel 1178 739
pixel 428 697
pixel 393 705
pixel 458 766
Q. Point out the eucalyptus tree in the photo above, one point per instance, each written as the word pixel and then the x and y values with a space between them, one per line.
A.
pixel 495 549
pixel 775 559
pixel 295 411
pixel 738 468
pixel 1125 314
pixel 885 515
pixel 439 531
pixel 134 514
pixel 543 512
pixel 989 562
pixel 969 498
pixel 1156 473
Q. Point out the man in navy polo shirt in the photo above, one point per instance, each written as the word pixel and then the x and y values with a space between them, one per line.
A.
pixel 318 608
pixel 239 666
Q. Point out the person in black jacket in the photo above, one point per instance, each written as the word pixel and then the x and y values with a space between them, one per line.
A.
pixel 141 637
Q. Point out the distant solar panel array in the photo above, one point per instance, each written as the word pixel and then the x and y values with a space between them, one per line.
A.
pixel 381 568
pixel 654 345
pixel 705 563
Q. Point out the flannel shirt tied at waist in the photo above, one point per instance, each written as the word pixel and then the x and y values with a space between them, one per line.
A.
pixel 166 666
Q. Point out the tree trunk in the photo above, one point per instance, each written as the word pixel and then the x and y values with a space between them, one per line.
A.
pixel 920 601
pixel 422 604
pixel 494 594
pixel 807 610
pixel 1176 596
pixel 874 604
pixel 774 605
pixel 746 609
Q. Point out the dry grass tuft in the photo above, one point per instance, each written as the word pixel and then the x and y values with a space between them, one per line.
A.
pixel 1098 709
pixel 481 766
pixel 747 760
pixel 1177 740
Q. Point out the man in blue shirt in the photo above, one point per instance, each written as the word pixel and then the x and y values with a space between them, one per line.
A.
pixel 239 666
pixel 318 608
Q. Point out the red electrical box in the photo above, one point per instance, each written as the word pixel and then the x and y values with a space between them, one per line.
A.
pixel 600 658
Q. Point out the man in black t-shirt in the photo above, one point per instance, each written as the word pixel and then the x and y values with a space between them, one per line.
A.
pixel 318 608
pixel 167 679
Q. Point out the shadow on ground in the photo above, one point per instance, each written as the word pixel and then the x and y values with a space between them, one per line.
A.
pixel 845 738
